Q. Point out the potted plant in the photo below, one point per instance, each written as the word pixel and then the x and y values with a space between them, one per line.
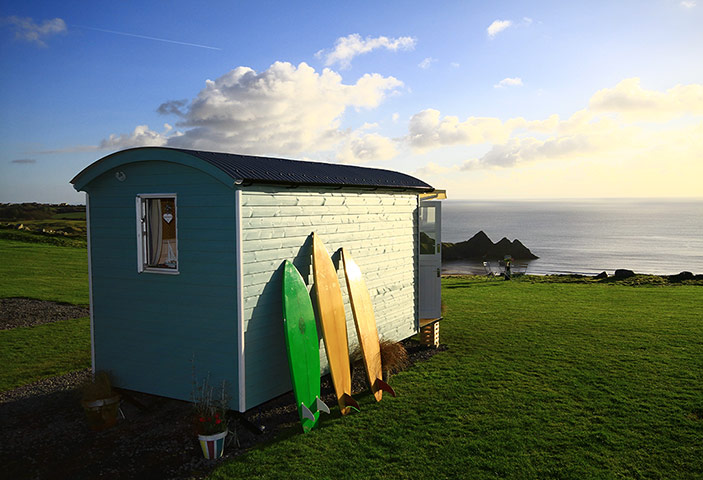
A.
pixel 210 418
pixel 100 402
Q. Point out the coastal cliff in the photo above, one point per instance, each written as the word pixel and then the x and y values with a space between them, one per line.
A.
pixel 481 247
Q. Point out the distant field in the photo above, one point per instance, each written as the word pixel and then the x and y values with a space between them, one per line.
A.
pixel 70 216
pixel 541 380
pixel 41 223
pixel 45 272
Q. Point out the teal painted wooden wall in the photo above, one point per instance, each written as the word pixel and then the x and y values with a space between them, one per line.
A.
pixel 152 329
pixel 377 227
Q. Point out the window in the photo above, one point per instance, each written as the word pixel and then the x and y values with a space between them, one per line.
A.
pixel 428 231
pixel 157 233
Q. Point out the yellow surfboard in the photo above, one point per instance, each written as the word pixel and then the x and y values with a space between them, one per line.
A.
pixel 330 307
pixel 365 322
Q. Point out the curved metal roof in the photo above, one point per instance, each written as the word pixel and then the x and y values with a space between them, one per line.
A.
pixel 248 169
pixel 277 170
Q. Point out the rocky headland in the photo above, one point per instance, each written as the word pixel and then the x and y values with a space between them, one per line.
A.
pixel 481 247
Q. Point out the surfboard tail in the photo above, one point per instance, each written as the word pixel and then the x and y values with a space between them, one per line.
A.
pixel 321 406
pixel 381 385
pixel 348 401
pixel 307 413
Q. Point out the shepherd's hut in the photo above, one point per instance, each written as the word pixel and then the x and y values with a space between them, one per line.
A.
pixel 185 251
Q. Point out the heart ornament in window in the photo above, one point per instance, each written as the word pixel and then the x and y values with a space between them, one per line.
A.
pixel 168 217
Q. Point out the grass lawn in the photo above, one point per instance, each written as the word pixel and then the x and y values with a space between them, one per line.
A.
pixel 45 272
pixel 541 380
pixel 32 353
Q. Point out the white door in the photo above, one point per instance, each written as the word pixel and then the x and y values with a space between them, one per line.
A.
pixel 430 303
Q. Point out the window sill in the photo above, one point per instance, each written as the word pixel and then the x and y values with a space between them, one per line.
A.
pixel 162 271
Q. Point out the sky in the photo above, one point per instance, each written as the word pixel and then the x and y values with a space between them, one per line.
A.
pixel 488 100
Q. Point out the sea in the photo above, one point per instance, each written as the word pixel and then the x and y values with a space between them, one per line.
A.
pixel 651 236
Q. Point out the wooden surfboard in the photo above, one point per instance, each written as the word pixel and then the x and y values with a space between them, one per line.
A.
pixel 330 308
pixel 303 347
pixel 365 322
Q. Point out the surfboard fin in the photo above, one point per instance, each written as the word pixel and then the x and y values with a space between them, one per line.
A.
pixel 321 406
pixel 381 385
pixel 307 413
pixel 348 401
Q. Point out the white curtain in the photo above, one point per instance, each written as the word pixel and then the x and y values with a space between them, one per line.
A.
pixel 155 232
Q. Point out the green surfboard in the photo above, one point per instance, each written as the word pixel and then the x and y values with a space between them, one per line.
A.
pixel 303 347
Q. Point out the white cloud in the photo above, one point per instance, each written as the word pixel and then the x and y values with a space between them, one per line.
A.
pixel 455 64
pixel 141 136
pixel 346 48
pixel 427 130
pixel 366 148
pixel 395 117
pixel 630 100
pixel 498 26
pixel 688 4
pixel 284 111
pixel 27 30
pixel 426 63
pixel 509 82
pixel 623 122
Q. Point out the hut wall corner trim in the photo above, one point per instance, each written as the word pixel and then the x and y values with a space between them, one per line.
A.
pixel 241 365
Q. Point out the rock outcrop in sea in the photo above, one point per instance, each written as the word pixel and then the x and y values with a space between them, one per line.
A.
pixel 480 247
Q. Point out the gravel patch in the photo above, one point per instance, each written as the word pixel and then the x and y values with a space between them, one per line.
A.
pixel 27 312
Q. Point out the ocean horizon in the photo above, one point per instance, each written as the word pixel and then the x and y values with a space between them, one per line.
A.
pixel 585 236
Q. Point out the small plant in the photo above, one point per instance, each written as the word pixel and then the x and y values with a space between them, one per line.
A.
pixel 210 409
pixel 394 357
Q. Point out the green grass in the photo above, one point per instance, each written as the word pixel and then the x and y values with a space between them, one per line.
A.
pixel 541 380
pixel 45 272
pixel 32 353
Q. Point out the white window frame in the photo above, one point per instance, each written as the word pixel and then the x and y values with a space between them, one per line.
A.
pixel 142 237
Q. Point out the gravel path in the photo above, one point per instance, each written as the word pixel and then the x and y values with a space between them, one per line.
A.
pixel 26 312
pixel 44 432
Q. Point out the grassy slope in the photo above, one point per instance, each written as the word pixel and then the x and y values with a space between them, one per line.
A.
pixel 540 381
pixel 32 353
pixel 46 272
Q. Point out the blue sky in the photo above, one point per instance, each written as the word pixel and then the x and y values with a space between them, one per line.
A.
pixel 484 99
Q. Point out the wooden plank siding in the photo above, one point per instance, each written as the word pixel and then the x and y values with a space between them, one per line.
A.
pixel 153 330
pixel 379 229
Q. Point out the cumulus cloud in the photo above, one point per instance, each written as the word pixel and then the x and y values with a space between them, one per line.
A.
pixel 427 130
pixel 173 107
pixel 625 121
pixel 632 101
pixel 284 110
pixel 365 148
pixel 142 136
pixel 498 26
pixel 509 82
pixel 427 63
pixel 346 48
pixel 29 31
pixel 519 151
